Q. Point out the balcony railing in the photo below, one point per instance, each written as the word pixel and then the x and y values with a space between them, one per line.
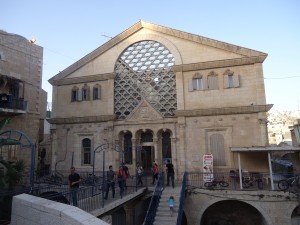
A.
pixel 249 181
pixel 9 102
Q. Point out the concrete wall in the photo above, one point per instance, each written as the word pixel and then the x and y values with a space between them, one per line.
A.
pixel 31 210
pixel 274 208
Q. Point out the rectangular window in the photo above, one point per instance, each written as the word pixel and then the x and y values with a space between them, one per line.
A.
pixel 87 156
pixel 84 94
pixel 213 82
pixel 74 96
pixel 96 93
pixel 231 81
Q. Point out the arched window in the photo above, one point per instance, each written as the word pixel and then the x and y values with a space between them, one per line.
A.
pixel 128 148
pixel 212 81
pixel 147 137
pixel 166 145
pixel 86 151
pixel 198 82
pixel 217 149
pixel 96 92
pixel 74 94
pixel 144 72
pixel 231 80
pixel 85 93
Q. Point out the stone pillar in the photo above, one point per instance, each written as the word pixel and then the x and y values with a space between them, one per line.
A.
pixel 109 152
pixel 264 131
pixel 134 153
pixel 118 153
pixel 54 147
pixel 181 164
pixel 157 159
pixel 174 157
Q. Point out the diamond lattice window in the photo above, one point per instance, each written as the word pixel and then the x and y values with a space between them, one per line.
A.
pixel 144 72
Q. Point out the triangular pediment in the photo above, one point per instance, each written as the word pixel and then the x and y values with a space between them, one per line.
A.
pixel 224 51
pixel 143 111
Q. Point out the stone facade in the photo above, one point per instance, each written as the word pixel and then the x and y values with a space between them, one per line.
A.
pixel 220 102
pixel 254 207
pixel 22 97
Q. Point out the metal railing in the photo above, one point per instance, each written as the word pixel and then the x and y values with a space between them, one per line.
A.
pixel 90 196
pixel 250 181
pixel 152 208
pixel 181 199
pixel 7 102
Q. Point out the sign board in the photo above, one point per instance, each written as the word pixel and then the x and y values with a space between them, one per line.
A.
pixel 208 175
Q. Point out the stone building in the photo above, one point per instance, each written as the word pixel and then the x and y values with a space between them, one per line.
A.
pixel 159 93
pixel 22 99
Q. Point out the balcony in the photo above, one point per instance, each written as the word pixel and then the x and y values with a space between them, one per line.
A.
pixel 10 104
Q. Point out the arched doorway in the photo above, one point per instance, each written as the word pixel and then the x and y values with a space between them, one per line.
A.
pixel 146 152
pixel 166 146
pixel 232 212
pixel 296 216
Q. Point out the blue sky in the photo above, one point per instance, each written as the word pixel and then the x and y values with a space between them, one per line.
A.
pixel 70 29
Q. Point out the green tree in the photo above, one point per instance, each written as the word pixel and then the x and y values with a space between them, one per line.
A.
pixel 12 173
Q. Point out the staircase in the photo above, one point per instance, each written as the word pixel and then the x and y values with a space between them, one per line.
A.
pixel 163 215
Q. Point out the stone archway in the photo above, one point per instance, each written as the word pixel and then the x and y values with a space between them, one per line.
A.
pixel 232 212
pixel 296 216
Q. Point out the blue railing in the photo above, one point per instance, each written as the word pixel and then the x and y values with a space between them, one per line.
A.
pixel 152 208
pixel 181 199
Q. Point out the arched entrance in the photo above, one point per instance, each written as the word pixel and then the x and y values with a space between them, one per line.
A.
pixel 296 216
pixel 232 212
pixel 146 153
pixel 166 146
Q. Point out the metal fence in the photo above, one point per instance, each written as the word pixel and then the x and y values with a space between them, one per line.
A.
pixel 152 208
pixel 231 181
pixel 181 199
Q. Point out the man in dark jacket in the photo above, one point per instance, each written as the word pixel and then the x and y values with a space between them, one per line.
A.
pixel 170 173
pixel 74 180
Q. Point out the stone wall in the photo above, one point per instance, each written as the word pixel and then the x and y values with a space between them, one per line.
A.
pixel 273 208
pixel 31 210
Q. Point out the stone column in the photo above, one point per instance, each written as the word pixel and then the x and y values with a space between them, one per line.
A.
pixel 174 157
pixel 181 164
pixel 54 147
pixel 264 131
pixel 134 153
pixel 156 157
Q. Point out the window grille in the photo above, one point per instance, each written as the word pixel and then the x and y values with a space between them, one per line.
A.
pixel 144 71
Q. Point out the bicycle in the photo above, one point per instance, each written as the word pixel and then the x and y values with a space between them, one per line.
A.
pixel 54 178
pixel 285 184
pixel 90 180
pixel 214 183
pixel 249 182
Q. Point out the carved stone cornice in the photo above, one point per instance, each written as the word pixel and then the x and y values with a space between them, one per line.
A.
pixel 74 120
pixel 225 111
pixel 219 63
pixel 84 79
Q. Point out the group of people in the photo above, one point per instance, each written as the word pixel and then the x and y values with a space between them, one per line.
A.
pixel 120 176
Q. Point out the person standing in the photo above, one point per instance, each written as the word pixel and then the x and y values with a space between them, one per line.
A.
pixel 121 179
pixel 126 175
pixel 74 180
pixel 110 182
pixel 139 171
pixel 154 172
pixel 171 205
pixel 170 173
